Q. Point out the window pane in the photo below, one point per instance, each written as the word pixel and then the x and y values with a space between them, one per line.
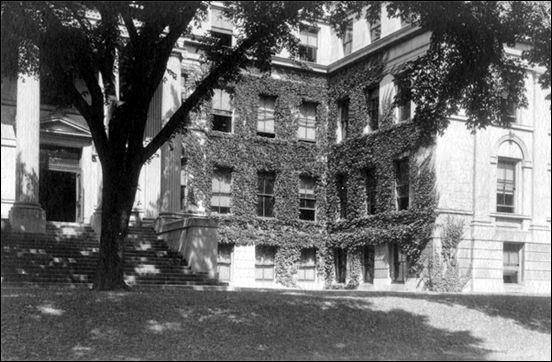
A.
pixel 372 96
pixel 268 274
pixel 221 197
pixel 505 184
pixel 512 262
pixel 402 188
pixel 219 20
pixel 222 123
pixel 265 115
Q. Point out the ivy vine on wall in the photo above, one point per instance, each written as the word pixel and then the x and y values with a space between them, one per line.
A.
pixel 246 153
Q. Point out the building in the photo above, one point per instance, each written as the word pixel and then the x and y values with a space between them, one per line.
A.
pixel 312 177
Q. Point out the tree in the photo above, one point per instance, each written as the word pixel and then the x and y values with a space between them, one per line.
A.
pixel 465 67
pixel 94 44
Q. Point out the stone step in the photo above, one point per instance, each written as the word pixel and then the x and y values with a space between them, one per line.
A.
pixel 68 255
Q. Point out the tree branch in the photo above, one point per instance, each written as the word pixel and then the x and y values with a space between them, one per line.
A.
pixel 230 63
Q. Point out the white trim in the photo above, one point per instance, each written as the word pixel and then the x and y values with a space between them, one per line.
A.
pixel 513 216
pixel 455 211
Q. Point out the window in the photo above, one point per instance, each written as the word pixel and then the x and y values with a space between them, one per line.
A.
pixel 348 39
pixel 221 27
pixel 264 262
pixel 402 186
pixel 398 263
pixel 505 186
pixel 368 263
pixel 340 260
pixel 221 195
pixel 219 21
pixel 343 113
pixel 372 99
pixel 341 184
pixel 308 45
pixel 511 116
pixel 222 111
pixel 512 253
pixel 265 116
pixel 265 194
pixel 375 31
pixel 307 122
pixel 405 109
pixel 307 265
pixel 183 182
pixel 370 179
pixel 224 261
pixel 225 39
pixel 307 199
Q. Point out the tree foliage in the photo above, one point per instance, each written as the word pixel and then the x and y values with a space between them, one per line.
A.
pixel 466 66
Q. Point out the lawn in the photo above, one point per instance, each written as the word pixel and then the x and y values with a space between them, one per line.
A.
pixel 182 324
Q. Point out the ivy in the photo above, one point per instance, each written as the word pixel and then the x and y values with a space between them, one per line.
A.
pixel 246 153
pixel 378 151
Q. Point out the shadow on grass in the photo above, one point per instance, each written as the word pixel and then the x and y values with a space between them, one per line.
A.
pixel 531 312
pixel 177 325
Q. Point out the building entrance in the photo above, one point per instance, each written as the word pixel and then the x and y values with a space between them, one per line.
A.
pixel 60 186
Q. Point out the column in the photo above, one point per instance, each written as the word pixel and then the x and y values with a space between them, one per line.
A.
pixel 26 215
pixel 171 152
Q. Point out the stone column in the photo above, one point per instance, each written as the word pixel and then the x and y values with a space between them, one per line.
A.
pixel 26 215
pixel 171 152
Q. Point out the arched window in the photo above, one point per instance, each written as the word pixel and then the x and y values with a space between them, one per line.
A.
pixel 509 177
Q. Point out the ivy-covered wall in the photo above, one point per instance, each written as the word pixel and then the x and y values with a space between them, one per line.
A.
pixel 377 150
pixel 245 154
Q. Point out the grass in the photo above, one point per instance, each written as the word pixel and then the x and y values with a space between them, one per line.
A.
pixel 178 324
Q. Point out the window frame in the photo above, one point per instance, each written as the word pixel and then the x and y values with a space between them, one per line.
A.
pixel 307 196
pixel 343 111
pixel 372 105
pixel 262 264
pixel 341 188
pixel 518 250
pixel 304 266
pixel 370 190
pixel 402 183
pixel 375 28
pixel 263 176
pixel 225 262
pixel 183 183
pixel 405 110
pixel 305 122
pixel 514 192
pixel 221 112
pixel 224 171
pixel 348 39
pixel 368 268
pixel 398 264
pixel 266 112
pixel 308 52
pixel 512 113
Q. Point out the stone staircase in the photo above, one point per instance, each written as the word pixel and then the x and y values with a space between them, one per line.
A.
pixel 68 254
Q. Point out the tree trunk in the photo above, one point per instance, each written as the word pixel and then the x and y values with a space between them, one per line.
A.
pixel 118 193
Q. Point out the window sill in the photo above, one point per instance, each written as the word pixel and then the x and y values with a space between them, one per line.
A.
pixel 219 133
pixel 505 215
pixel 311 142
pixel 266 217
